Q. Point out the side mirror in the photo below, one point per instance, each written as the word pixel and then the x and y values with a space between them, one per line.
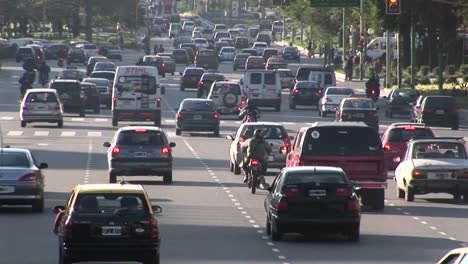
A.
pixel 157 209
pixel 269 189
pixel 163 90
pixel 230 137
pixel 283 150
pixel 43 165
pixel 106 144
pixel 58 208
pixel 172 144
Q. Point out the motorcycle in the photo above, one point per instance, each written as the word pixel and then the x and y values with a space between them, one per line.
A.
pixel 254 175
pixel 249 116
pixel 373 94
pixel 60 62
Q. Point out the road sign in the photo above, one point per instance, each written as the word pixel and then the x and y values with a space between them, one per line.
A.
pixel 334 3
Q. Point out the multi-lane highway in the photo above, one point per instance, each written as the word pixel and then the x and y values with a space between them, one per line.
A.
pixel 209 216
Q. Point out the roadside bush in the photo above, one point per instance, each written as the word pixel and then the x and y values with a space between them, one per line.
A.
pixel 424 70
pixel 451 79
pixel 435 71
pixel 424 80
pixel 464 69
pixel 450 70
pixel 465 78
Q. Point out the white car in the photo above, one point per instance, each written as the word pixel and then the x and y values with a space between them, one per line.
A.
pixel 227 54
pixel 227 96
pixel 434 165
pixel 90 49
pixel 188 26
pixel 259 47
pixel 332 98
pixel 201 43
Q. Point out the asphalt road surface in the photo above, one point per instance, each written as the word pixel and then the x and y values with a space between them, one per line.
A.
pixel 209 216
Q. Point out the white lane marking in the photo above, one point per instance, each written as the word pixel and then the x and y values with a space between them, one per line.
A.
pixel 14 133
pixel 275 250
pixel 443 233
pixel 43 144
pixel 415 218
pixel 41 133
pixel 169 121
pixel 433 227
pixel 7 118
pixel 281 257
pixel 255 226
pixel 424 222
pixel 452 238
pixel 94 134
pixel 270 243
pixel 101 119
pixel 288 123
pixel 68 134
pixel 88 162
pixel 77 119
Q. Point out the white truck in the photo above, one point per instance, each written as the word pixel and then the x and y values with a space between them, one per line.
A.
pixel 377 47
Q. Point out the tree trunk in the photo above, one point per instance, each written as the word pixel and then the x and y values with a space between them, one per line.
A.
pixel 88 21
pixel 76 27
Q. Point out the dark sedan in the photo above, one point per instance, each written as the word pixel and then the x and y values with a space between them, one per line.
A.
pixel 239 61
pixel 93 98
pixel 311 199
pixel 291 53
pixel 205 82
pixel 305 93
pixel 197 115
pixel 190 78
pixel 358 109
pixel 400 101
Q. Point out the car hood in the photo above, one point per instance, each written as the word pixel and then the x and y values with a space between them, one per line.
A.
pixel 13 173
pixel 440 163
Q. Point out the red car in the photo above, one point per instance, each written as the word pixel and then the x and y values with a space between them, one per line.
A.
pixel 396 137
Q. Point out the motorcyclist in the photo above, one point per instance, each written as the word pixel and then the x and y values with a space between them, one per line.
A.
pixel 161 48
pixel 373 84
pixel 26 81
pixel 61 55
pixel 44 71
pixel 249 108
pixel 256 148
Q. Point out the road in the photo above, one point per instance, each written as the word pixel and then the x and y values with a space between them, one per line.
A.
pixel 209 216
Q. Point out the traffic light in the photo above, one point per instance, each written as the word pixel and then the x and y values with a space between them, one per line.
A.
pixel 393 7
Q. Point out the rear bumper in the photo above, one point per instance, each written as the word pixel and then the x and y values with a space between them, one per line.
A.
pixel 41 117
pixel 137 115
pixel 205 126
pixel 317 225
pixel 133 167
pixel 443 186
pixel 328 107
pixel 279 161
pixel 308 100
pixel 99 251
pixel 22 193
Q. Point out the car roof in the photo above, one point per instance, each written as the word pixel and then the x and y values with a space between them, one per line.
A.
pixel 88 83
pixel 95 79
pixel 15 150
pixel 197 99
pixel 103 72
pixel 262 124
pixel 65 81
pixel 129 128
pixel 402 125
pixel 336 124
pixel 439 139
pixel 313 169
pixel 41 90
pixel 109 188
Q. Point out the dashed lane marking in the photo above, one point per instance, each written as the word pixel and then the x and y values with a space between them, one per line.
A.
pixel 41 133
pixel 14 133
pixel 68 134
pixel 94 134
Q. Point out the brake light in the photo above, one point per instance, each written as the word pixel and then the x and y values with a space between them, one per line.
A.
pixel 241 140
pixel 165 150
pixel 328 100
pixel 29 177
pixel 25 107
pixel 282 205
pixel 417 173
pixel 295 80
pixel 215 116
pixel 179 115
pixel 57 106
pixel 320 91
pixel 202 82
pixel 287 142
pixel 296 91
pixel 291 191
pixel 67 230
pixel 254 163
pixel 387 147
pixel 465 174
pixel 164 65
pixel 373 91
pixel 114 101
pixel 354 204
pixel 116 150
pixel 154 233
pixel 346 191
pixel 158 102
pixel 371 185
pixel 140 130
pixel 243 102
pixel 410 128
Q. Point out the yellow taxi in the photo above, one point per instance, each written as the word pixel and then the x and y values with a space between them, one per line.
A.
pixel 108 222
pixel 455 256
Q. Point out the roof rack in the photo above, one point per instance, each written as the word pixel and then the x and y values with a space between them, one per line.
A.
pixel 409 124
pixel 436 138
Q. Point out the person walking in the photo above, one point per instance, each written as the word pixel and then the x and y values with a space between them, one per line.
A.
pixel 348 68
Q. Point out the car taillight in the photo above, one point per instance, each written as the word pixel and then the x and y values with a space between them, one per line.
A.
pixel 116 150
pixel 328 100
pixel 410 128
pixel 287 142
pixel 254 163
pixel 165 150
pixel 179 115
pixel 295 80
pixel 241 140
pixel 215 116
pixel 114 101
pixel 25 107
pixel 153 225
pixel 387 147
pixel 417 173
pixel 158 102
pixel 373 92
pixel 282 205
pixel 375 113
pixel 140 130
pixel 354 204
pixel 164 65
pixel 345 191
pixel 67 229
pixel 202 82
pixel 296 91
pixel 290 191
pixel 319 91
pixel 29 177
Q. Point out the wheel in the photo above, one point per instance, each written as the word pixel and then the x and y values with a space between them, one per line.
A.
pixel 354 234
pixel 157 122
pixel 400 193
pixel 97 109
pixel 237 169
pixel 167 178
pixel 216 132
pixel 63 259
pixel 409 194
pixel 231 167
pixel 112 178
pixel 275 234
pixel 38 205
pixel 60 123
pixel 23 123
pixel 268 227
pixel 82 112
pixel 457 196
pixel 115 121
pixel 178 132
pixel 253 184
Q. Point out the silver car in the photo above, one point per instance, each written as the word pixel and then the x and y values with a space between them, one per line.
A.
pixel 41 105
pixel 274 133
pixel 21 179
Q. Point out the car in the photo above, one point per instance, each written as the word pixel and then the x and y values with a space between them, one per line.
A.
pixel 263 87
pixel 71 95
pixel 190 78
pixel 196 34
pixel 434 165
pixel 276 62
pixel 234 33
pixel 220 27
pixel 206 80
pixel 104 88
pixel 201 43
pixel 219 45
pixel 396 137
pixel 241 42
pixel 77 55
pixel 93 98
pixel 140 151
pixel 239 61
pixel 182 38
pixel 270 52
pixel 455 256
pixel 53 50
pixel 41 105
pixel 207 58
pixel 89 48
pixel 168 64
pixel 181 56
pixel 191 45
pixel 190 52
pixel 111 52
pixel 174 29
pixel 264 37
pixel 71 74
pixel 286 78
pixel 24 53
pixel 255 62
pixel 274 133
pixel 227 54
pixel 400 101
pixel 265 24
pixel 303 72
pixel 228 40
pixel 197 115
pixel 277 27
pixel 92 61
pixel 109 75
pixel 156 61
pixel 38 52
pixel 439 111
pixel 250 51
pixel 312 199
pixel 104 66
pixel 207 33
pixel 360 110
pixel 291 53
pixel 332 98
pixel 22 181
pixel 305 93
pixel 227 96
pixel 259 47
pixel 108 222
pixel 188 26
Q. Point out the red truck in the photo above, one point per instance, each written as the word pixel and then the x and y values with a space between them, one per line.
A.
pixel 352 146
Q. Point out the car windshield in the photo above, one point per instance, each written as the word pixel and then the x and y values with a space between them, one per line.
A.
pixel 314 177
pixel 285 74
pixel 229 50
pixel 13 159
pixel 136 84
pixel 342 141
pixel 111 204
pixel 198 105
pixel 141 137
pixel 405 94
pixel 339 91
pixel 439 150
pixel 269 132
pixel 242 56
pixel 405 134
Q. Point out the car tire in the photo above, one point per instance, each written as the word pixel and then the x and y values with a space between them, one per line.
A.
pixel 178 132
pixel 275 234
pixel 63 259
pixel 457 196
pixel 354 234
pixel 115 121
pixel 400 193
pixel 82 112
pixel 23 123
pixel 409 194
pixel 323 113
pixel 216 131
pixel 172 73
pixel 231 167
pixel 112 178
pixel 237 169
pixel 60 124
pixel 167 178
pixel 38 205
pixel 268 227
pixel 378 202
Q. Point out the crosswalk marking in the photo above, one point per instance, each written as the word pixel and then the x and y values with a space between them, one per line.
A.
pixel 68 134
pixel 6 118
pixel 41 133
pixel 94 134
pixel 101 119
pixel 14 133
pixel 77 119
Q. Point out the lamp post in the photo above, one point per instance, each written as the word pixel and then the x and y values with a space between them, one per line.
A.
pixel 352 30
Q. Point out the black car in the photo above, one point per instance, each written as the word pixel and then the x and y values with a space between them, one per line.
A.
pixel 197 115
pixel 205 82
pixel 24 53
pixel 181 56
pixel 190 78
pixel 252 52
pixel 190 53
pixel 71 74
pixel 400 101
pixel 358 109
pixel 93 98
pixel 53 51
pixel 71 95
pixel 104 88
pixel 439 111
pixel 76 55
pixel 291 53
pixel 92 61
pixel 310 200
pixel 305 93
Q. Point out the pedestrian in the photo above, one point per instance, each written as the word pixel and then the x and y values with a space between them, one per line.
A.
pixel 309 48
pixel 155 49
pixel 348 68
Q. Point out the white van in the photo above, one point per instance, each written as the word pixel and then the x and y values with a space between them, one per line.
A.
pixel 174 28
pixel 136 95
pixel 378 47
pixel 324 78
pixel 264 87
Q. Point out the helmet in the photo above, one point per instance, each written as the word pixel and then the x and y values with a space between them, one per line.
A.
pixel 250 102
pixel 258 133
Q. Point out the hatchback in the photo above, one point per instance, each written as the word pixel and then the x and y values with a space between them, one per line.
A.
pixel 71 74
pixel 140 151
pixel 358 109
pixel 252 52
pixel 111 52
pixel 400 101
pixel 227 96
pixel 24 53
pixel 181 56
pixel 260 47
pixel 276 62
pixel 207 59
pixel 190 77
pixel 77 55
pixel 168 64
pixel 270 52
pixel 197 115
pixel 332 98
pixel 201 43
pixel 41 105
pixel 92 61
pixel 241 42
pixel 291 53
pixel 305 93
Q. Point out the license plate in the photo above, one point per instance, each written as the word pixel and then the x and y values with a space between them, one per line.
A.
pixel 317 193
pixel 440 112
pixel 140 154
pixel 197 117
pixel 111 230
pixel 439 175
pixel 41 108
pixel 7 189
pixel 359 115
pixel 270 158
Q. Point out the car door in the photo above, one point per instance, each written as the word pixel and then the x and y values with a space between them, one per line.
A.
pixel 271 89
pixel 254 85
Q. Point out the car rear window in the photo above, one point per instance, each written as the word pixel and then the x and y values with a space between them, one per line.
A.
pixel 136 84
pixel 228 49
pixel 141 137
pixel 285 74
pixel 269 132
pixel 405 134
pixel 302 84
pixel 270 78
pixel 270 52
pixel 70 74
pixel 224 88
pixel 314 177
pixel 109 203
pixel 207 31
pixel 242 56
pixel 66 87
pixel 340 91
pixel 101 82
pixel 344 140
pixel 13 159
pixel 215 77
pixel 256 78
pixel 89 46
pixel 42 97
pixel 319 76
pixel 405 94
pixel 359 104
pixel 198 105
pixel 260 45
pixel 207 53
pixel 439 150
pixel 432 102
pixel 194 72
pixel 179 52
pixel 106 75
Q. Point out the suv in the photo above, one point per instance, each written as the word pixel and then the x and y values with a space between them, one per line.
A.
pixel 255 62
pixel 206 80
pixel 25 53
pixel 71 95
pixel 358 109
pixel 305 93
pixel 76 55
pixel 353 146
pixel 190 77
pixel 227 96
pixel 140 150
pixel 438 110
pixel 400 101
pixel 111 222
pixel 207 58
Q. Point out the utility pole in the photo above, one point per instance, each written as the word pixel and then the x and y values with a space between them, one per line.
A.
pixel 361 30
pixel 344 31
pixel 398 60
pixel 388 58
pixel 413 52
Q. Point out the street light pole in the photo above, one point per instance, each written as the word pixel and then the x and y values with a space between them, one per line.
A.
pixel 361 30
